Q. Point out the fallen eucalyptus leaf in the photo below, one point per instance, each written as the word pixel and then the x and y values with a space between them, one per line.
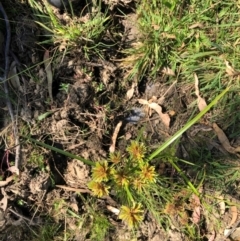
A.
pixel 196 25
pixel 130 92
pixel 143 102
pixel 223 139
pixel 168 71
pixel 201 102
pixel 222 205
pixel 114 137
pixel 48 69
pixel 229 69
pixel 234 213
pixel 74 207
pixel 168 36
pixel 196 215
pixel 164 117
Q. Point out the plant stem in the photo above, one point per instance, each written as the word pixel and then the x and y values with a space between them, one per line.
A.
pixel 65 153
pixel 185 178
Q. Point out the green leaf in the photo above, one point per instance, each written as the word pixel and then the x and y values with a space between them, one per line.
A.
pixel 43 116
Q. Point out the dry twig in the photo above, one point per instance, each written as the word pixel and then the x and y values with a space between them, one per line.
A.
pixel 22 217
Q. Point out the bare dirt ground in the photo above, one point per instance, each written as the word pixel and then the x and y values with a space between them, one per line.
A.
pixel 81 121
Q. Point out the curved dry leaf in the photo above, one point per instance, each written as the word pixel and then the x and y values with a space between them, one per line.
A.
pixel 237 149
pixel 196 85
pixel 130 92
pixel 8 179
pixel 234 213
pixel 212 237
pixel 168 36
pixel 4 201
pixel 222 205
pixel 201 102
pixel 155 26
pixel 153 99
pixel 74 207
pixel 196 215
pixel 196 25
pixel 223 139
pixel 196 200
pixel 229 69
pixel 114 137
pixel 143 102
pixel 164 117
pixel 113 209
pixel 168 71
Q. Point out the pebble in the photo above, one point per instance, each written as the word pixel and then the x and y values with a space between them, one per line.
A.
pixel 135 115
pixel 58 3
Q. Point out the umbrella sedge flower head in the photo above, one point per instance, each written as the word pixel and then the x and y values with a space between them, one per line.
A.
pixel 98 189
pixel 138 184
pixel 101 172
pixel 136 150
pixel 121 178
pixel 148 173
pixel 132 216
pixel 115 157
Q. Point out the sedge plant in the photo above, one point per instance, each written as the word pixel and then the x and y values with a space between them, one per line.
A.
pixel 132 177
pixel 187 37
pixel 125 175
pixel 84 32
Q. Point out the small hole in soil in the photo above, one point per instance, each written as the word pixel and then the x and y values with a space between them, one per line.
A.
pixel 142 86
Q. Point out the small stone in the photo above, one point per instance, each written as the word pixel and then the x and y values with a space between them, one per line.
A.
pixel 58 3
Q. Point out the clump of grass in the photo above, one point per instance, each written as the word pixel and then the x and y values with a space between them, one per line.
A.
pixel 84 32
pixel 47 232
pixel 100 227
pixel 37 159
pixel 187 37
pixel 94 221
pixel 158 36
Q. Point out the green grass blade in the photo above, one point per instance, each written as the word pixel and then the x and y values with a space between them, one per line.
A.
pixel 187 126
pixel 65 153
